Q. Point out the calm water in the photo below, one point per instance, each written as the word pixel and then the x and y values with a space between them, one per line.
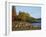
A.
pixel 36 24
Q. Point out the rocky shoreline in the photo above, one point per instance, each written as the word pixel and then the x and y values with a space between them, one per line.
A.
pixel 18 25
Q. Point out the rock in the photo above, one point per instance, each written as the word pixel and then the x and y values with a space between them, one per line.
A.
pixel 21 25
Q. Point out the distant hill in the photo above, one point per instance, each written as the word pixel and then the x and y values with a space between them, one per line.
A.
pixel 34 20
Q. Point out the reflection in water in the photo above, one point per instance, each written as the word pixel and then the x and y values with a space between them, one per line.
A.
pixel 36 24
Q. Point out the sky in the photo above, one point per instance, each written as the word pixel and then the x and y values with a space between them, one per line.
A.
pixel 34 11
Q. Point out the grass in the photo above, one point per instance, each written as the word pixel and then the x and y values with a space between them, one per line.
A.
pixel 36 28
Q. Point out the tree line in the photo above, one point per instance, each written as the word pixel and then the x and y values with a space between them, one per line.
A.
pixel 23 16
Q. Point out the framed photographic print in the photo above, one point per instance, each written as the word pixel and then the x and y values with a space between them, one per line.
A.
pixel 23 17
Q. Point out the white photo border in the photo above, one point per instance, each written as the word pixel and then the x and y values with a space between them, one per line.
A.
pixel 8 26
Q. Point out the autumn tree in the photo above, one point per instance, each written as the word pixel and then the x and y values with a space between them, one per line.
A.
pixel 23 16
pixel 13 13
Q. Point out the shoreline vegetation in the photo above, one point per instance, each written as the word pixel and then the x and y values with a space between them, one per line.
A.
pixel 23 21
pixel 19 25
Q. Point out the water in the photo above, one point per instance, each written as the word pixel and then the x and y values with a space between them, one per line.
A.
pixel 36 24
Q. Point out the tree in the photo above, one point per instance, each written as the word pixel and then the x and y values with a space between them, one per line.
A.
pixel 23 16
pixel 13 13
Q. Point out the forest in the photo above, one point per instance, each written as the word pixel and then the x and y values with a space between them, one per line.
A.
pixel 23 16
